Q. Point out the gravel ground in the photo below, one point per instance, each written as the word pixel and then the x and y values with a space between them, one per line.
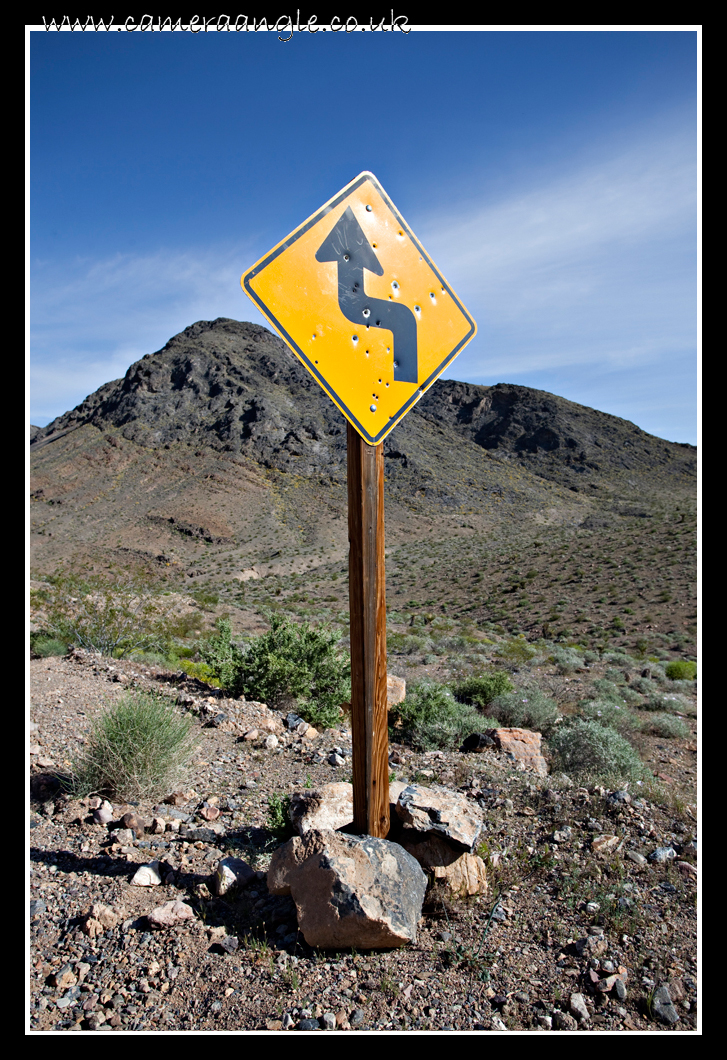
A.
pixel 538 951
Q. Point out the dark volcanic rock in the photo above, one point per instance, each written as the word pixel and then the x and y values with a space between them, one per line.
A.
pixel 238 388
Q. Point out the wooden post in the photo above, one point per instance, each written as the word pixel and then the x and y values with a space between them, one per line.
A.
pixel 367 602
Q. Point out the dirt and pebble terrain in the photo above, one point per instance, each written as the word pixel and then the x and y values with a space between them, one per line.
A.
pixel 577 930
pixel 524 533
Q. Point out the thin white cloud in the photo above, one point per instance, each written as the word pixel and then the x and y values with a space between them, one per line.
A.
pixel 598 264
pixel 92 319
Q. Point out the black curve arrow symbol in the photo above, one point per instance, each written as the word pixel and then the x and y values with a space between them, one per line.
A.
pixel 347 244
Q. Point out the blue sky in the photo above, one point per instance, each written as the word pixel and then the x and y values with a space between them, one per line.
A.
pixel 551 175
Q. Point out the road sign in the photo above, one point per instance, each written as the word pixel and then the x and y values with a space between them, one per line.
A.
pixel 362 305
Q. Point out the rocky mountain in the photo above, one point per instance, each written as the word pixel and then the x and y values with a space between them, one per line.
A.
pixel 223 437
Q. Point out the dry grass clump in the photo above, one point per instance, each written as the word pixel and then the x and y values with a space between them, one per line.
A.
pixel 139 748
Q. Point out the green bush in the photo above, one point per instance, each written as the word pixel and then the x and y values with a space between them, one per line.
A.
pixel 43 645
pixel 290 661
pixel 673 704
pixel 526 708
pixel 201 670
pixel 138 749
pixel 666 726
pixel 114 616
pixel 606 712
pixel 644 685
pixel 587 749
pixel 567 660
pixel 603 689
pixel 681 670
pixel 480 690
pixel 516 650
pixel 430 717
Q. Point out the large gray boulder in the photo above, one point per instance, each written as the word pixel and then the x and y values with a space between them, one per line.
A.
pixel 350 890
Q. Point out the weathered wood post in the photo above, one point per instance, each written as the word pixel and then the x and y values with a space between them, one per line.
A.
pixel 367 603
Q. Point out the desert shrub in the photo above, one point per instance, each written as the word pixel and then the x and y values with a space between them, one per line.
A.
pixel 44 645
pixel 114 616
pixel 406 643
pixel 290 661
pixel 526 708
pixel 430 717
pixel 590 657
pixel 223 658
pixel 567 660
pixel 666 726
pixel 603 689
pixel 138 749
pixel 630 696
pixel 606 712
pixel 681 670
pixel 620 659
pixel 586 749
pixel 615 676
pixel 644 685
pixel 481 689
pixel 674 704
pixel 201 670
pixel 516 650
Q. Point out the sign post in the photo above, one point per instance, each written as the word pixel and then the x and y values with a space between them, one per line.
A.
pixel 367 605
pixel 364 308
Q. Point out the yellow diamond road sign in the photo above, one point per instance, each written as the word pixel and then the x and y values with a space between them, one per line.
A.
pixel 362 305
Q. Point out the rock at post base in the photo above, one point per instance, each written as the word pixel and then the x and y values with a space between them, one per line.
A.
pixel 324 810
pixel 445 812
pixel 464 874
pixel 350 890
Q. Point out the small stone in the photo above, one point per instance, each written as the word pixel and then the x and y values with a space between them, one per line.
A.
pixel 147 876
pixel 230 872
pixel 329 1021
pixel 287 1021
pixel 134 823
pixel 662 854
pixel 170 914
pixel 497 1024
pixel 662 1006
pixel 357 1016
pixel 604 844
pixel 578 1008
pixel 309 1025
pixel 336 760
pixel 562 1021
pixel 687 870
pixel 638 859
pixel 271 742
pixel 37 906
pixel 619 989
pixel 251 735
pixel 210 813
pixel 274 1025
pixel 64 978
pixel 104 813
pixel 563 835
